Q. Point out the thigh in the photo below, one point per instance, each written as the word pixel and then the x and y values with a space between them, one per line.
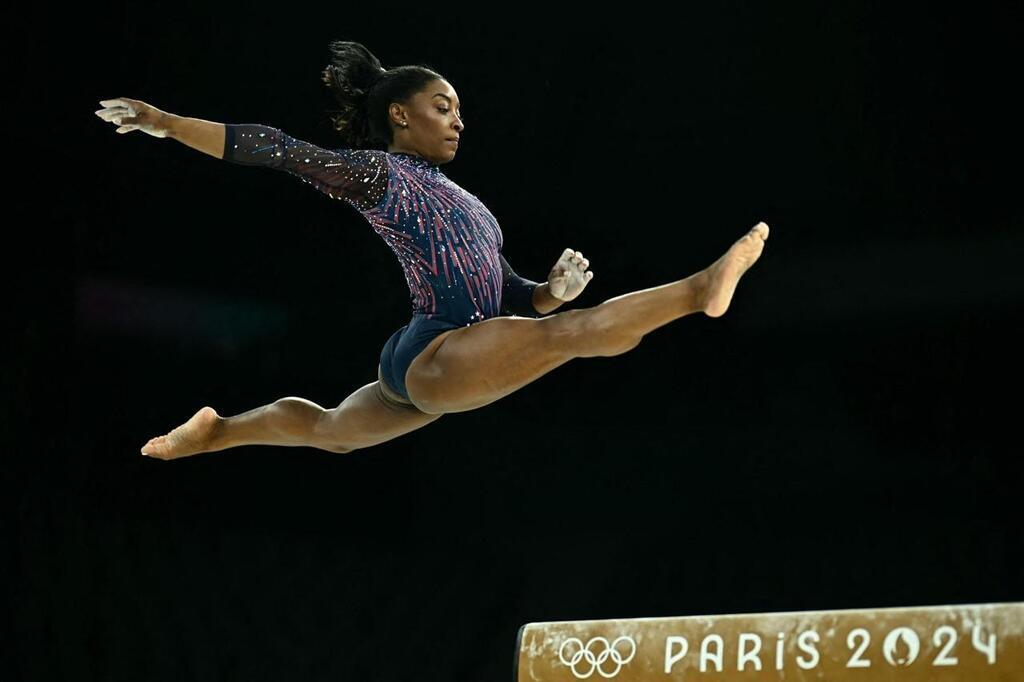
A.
pixel 405 346
pixel 368 417
pixel 470 367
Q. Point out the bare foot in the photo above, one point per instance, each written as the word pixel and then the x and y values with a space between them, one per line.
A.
pixel 190 438
pixel 723 276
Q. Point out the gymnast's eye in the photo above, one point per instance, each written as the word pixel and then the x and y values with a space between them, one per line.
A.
pixel 445 111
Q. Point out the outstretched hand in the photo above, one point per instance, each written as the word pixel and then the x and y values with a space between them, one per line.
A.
pixel 133 114
pixel 569 276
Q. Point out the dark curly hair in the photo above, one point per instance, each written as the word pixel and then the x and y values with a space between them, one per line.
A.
pixel 364 90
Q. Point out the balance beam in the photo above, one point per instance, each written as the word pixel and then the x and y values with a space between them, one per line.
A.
pixel 972 643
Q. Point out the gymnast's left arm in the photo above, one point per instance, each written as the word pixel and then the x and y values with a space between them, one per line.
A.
pixel 517 293
pixel 569 276
pixel 527 298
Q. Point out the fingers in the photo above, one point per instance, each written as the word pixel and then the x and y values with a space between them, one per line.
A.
pixel 576 258
pixel 580 262
pixel 121 112
pixel 584 274
pixel 115 115
pixel 117 106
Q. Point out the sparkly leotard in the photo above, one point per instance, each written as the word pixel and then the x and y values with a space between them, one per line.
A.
pixel 448 243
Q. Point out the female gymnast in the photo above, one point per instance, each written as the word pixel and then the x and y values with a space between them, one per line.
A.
pixel 459 351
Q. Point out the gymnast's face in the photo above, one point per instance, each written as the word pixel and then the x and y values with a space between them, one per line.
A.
pixel 432 122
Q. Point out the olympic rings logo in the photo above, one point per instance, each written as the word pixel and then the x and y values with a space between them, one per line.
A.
pixel 585 654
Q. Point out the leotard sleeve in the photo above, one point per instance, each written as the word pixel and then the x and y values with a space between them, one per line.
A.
pixel 516 292
pixel 359 176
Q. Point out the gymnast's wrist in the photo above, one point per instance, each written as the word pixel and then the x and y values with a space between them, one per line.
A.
pixel 205 136
pixel 543 300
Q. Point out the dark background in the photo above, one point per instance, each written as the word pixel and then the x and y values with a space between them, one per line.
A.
pixel 844 437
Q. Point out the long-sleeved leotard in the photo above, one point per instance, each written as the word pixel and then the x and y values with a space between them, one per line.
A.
pixel 447 242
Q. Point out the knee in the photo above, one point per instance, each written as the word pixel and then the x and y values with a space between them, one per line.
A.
pixel 332 446
pixel 326 437
pixel 297 416
pixel 625 344
pixel 599 335
pixel 617 345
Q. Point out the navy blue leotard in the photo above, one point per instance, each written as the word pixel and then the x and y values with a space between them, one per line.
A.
pixel 448 243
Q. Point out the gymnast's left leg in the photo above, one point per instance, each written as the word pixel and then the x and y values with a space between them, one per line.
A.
pixel 470 367
pixel 371 415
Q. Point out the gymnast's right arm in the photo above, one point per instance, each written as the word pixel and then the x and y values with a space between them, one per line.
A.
pixel 356 175
pixel 206 136
pixel 133 114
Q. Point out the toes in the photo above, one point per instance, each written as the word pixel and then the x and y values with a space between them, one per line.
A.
pixel 155 447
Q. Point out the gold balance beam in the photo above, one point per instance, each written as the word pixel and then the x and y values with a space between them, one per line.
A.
pixel 969 643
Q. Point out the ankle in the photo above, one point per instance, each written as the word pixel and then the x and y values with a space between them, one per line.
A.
pixel 697 289
pixel 216 439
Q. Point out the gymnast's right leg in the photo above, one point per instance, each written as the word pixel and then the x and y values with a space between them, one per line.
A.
pixel 469 367
pixel 367 417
